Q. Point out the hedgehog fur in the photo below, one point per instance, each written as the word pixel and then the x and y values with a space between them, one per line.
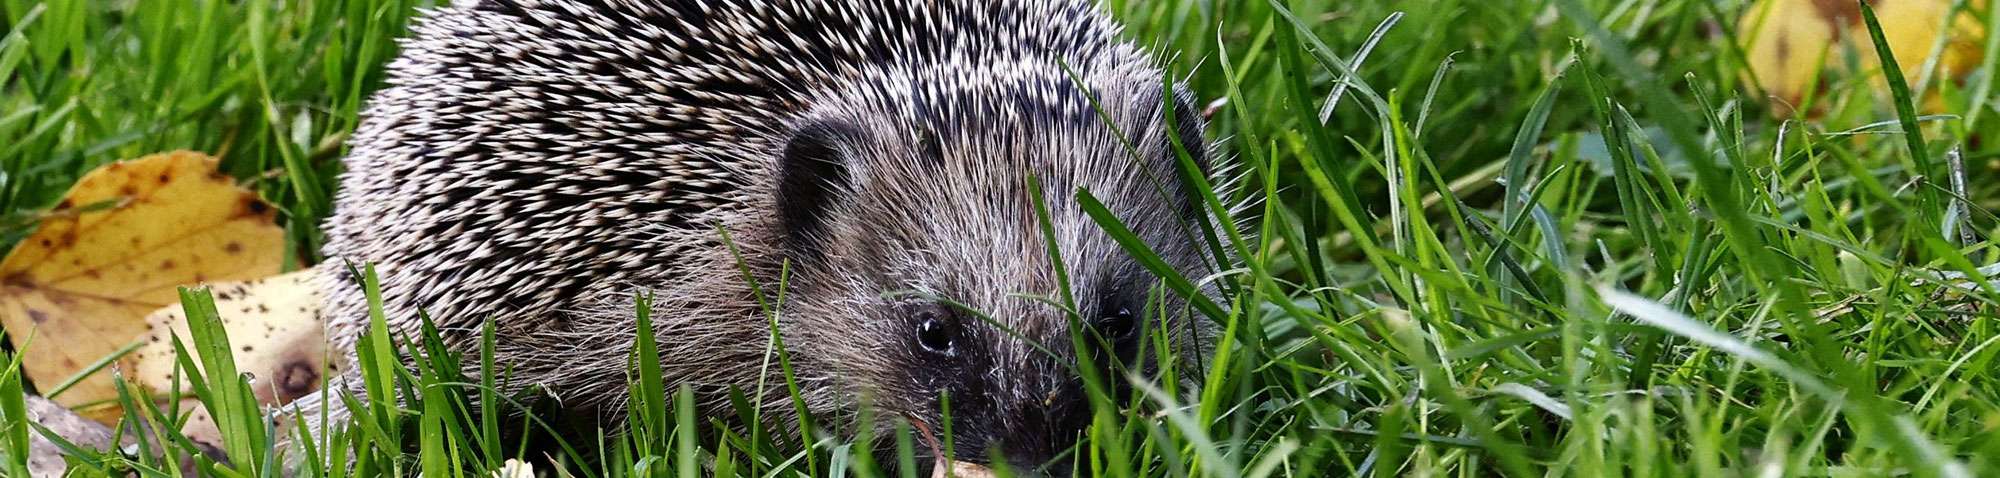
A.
pixel 538 163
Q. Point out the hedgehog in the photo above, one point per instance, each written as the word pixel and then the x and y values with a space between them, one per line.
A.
pixel 850 180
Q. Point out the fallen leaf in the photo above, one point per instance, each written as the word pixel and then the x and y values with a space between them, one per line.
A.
pixel 515 469
pixel 1913 28
pixel 945 467
pixel 273 323
pixel 79 287
pixel 44 457
pixel 960 469
pixel 1790 43
pixel 1787 40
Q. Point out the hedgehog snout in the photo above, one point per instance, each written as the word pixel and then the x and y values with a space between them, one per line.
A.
pixel 1039 439
pixel 1033 431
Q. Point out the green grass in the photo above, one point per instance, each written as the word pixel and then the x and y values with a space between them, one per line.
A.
pixel 1533 238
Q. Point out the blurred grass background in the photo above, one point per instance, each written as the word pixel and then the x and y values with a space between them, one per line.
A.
pixel 1565 237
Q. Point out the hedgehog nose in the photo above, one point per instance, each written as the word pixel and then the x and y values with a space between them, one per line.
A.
pixel 1047 470
pixel 1042 435
pixel 1038 466
pixel 1037 461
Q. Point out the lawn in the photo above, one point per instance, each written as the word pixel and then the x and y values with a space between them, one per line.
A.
pixel 1560 238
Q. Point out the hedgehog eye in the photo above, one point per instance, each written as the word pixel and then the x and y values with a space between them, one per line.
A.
pixel 934 335
pixel 1117 325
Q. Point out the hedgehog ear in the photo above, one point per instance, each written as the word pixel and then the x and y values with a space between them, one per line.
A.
pixel 813 175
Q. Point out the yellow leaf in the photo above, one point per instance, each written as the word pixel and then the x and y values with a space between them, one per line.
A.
pixel 1786 42
pixel 79 287
pixel 1790 43
pixel 1912 28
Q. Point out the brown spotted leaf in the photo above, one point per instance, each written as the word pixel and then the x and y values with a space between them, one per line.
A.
pixel 78 288
pixel 273 323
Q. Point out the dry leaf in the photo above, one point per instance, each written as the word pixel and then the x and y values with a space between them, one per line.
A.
pixel 44 457
pixel 1787 40
pixel 1912 28
pixel 80 286
pixel 273 323
pixel 945 467
pixel 47 459
pixel 515 469
pixel 960 469
pixel 1790 42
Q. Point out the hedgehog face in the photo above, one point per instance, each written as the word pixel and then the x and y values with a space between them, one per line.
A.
pixel 924 275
